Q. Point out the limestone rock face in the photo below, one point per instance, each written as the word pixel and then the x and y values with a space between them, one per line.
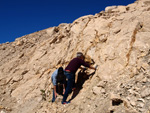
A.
pixel 117 40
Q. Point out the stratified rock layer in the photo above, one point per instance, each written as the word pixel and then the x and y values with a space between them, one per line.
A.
pixel 117 40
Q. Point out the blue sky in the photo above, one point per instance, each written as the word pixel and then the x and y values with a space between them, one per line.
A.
pixel 22 17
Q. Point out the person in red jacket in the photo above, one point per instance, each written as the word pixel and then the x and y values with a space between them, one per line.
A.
pixel 70 71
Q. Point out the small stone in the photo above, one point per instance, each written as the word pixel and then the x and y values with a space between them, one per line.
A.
pixel 148 98
pixel 88 105
pixel 2 111
pixel 96 90
pixel 140 105
pixel 142 100
pixel 19 43
pixel 114 96
pixel 132 103
pixel 102 84
pixel 103 91
pixel 145 92
pixel 110 8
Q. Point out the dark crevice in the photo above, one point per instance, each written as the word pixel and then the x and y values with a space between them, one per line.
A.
pixel 111 111
pixel 82 77
pixel 116 102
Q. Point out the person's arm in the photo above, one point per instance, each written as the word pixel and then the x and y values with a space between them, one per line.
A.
pixel 87 65
pixel 91 67
pixel 64 89
pixel 54 82
pixel 81 68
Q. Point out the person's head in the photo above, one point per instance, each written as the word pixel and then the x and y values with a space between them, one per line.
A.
pixel 60 70
pixel 80 55
pixel 60 75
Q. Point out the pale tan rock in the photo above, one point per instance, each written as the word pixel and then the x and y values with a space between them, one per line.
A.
pixel 110 8
pixel 145 92
pixel 117 40
pixel 102 84
pixel 121 9
pixel 19 43
pixel 114 96
pixel 132 103
pixel 2 111
pixel 97 90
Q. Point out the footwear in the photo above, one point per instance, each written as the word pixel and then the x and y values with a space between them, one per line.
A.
pixel 65 102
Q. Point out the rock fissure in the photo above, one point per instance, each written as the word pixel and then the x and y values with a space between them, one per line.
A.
pixel 80 36
pixel 133 39
pixel 117 40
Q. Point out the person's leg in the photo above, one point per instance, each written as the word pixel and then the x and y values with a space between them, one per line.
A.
pixel 53 99
pixel 74 84
pixel 69 86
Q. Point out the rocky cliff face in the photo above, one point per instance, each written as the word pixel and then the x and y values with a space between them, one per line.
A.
pixel 117 39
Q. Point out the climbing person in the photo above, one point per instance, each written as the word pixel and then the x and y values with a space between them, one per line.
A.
pixel 70 71
pixel 58 79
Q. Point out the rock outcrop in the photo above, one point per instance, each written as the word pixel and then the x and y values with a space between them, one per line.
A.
pixel 117 40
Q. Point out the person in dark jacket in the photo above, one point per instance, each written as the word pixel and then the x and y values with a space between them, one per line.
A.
pixel 70 71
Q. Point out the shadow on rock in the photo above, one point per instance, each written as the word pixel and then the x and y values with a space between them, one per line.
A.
pixel 82 77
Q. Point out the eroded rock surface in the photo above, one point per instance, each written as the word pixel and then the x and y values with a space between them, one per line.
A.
pixel 117 40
